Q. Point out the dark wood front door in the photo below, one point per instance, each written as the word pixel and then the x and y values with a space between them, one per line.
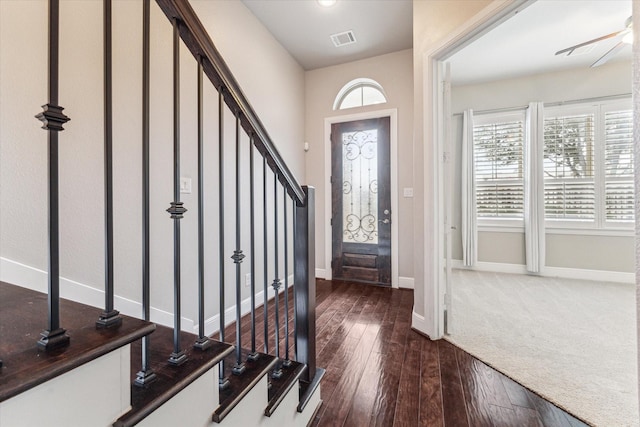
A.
pixel 361 201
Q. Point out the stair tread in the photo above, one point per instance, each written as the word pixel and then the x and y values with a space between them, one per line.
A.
pixel 170 379
pixel 281 386
pixel 240 385
pixel 22 318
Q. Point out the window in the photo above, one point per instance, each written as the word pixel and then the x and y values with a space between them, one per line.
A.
pixel 358 93
pixel 569 181
pixel 618 166
pixel 588 165
pixel 498 142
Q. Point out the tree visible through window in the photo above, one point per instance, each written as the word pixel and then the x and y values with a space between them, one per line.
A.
pixel 569 180
pixel 588 164
pixel 498 160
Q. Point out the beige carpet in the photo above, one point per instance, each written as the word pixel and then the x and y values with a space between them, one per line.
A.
pixel 571 341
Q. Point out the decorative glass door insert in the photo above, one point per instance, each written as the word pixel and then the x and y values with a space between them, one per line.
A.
pixel 360 186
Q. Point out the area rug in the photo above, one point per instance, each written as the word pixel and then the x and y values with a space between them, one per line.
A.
pixel 571 341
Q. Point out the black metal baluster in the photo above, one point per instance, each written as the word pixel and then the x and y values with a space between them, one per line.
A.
pixel 237 257
pixel 277 371
pixel 177 209
pixel 53 119
pixel 265 304
pixel 146 375
pixel 109 317
pixel 203 342
pixel 223 382
pixel 254 354
pixel 286 362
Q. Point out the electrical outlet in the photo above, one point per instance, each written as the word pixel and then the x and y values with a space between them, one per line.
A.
pixel 247 280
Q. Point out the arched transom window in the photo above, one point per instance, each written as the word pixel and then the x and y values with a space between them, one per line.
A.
pixel 358 93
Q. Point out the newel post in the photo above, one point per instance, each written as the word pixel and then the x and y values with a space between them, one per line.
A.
pixel 305 283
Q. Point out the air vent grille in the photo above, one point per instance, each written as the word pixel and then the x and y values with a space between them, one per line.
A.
pixel 343 39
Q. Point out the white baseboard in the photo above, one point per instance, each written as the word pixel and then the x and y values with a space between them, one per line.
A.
pixel 212 324
pixel 321 273
pixel 599 275
pixel 495 267
pixel 32 278
pixel 405 282
pixel 419 323
pixel 565 273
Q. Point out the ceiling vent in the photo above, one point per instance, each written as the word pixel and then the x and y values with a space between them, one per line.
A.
pixel 343 39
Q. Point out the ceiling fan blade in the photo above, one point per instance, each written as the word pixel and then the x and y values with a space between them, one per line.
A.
pixel 572 48
pixel 604 58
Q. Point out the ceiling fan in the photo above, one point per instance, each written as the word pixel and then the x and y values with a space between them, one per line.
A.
pixel 626 36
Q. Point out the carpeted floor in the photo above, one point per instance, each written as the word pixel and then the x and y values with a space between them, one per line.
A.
pixel 571 341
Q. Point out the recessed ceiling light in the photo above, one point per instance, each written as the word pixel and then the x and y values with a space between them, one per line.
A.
pixel 326 3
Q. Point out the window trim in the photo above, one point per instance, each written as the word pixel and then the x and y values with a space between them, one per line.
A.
pixel 355 84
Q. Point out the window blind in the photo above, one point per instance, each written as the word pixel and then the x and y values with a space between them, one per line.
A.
pixel 498 162
pixel 569 182
pixel 619 189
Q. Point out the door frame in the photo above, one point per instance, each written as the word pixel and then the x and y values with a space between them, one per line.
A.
pixel 433 303
pixel 392 113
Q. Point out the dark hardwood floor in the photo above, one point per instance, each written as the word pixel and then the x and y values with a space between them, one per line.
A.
pixel 382 373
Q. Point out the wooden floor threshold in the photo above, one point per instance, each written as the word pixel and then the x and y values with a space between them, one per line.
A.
pixel 170 379
pixel 23 315
pixel 240 385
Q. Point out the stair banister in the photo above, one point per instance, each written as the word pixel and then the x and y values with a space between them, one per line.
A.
pixel 198 41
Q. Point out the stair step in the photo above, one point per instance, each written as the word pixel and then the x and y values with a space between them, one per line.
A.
pixel 281 386
pixel 23 314
pixel 170 379
pixel 308 389
pixel 240 385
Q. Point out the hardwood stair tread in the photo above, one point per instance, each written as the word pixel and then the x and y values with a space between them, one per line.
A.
pixel 170 379
pixel 281 386
pixel 240 385
pixel 23 315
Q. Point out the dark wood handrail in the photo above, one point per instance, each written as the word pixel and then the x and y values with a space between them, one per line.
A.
pixel 196 38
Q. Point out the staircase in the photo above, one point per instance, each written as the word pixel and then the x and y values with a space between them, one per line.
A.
pixel 121 356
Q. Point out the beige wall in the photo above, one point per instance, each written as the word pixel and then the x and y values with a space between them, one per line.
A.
pixel 263 68
pixel 434 21
pixel 393 72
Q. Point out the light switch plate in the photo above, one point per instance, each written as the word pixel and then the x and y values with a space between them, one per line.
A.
pixel 185 185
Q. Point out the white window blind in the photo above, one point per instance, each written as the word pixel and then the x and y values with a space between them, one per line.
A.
pixel 569 181
pixel 498 162
pixel 618 166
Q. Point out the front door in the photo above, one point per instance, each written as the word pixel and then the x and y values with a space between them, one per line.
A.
pixel 361 201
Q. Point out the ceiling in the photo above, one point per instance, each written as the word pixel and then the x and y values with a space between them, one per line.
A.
pixel 524 44
pixel 304 27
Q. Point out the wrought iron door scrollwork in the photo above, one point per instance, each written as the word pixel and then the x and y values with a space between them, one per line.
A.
pixel 361 230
